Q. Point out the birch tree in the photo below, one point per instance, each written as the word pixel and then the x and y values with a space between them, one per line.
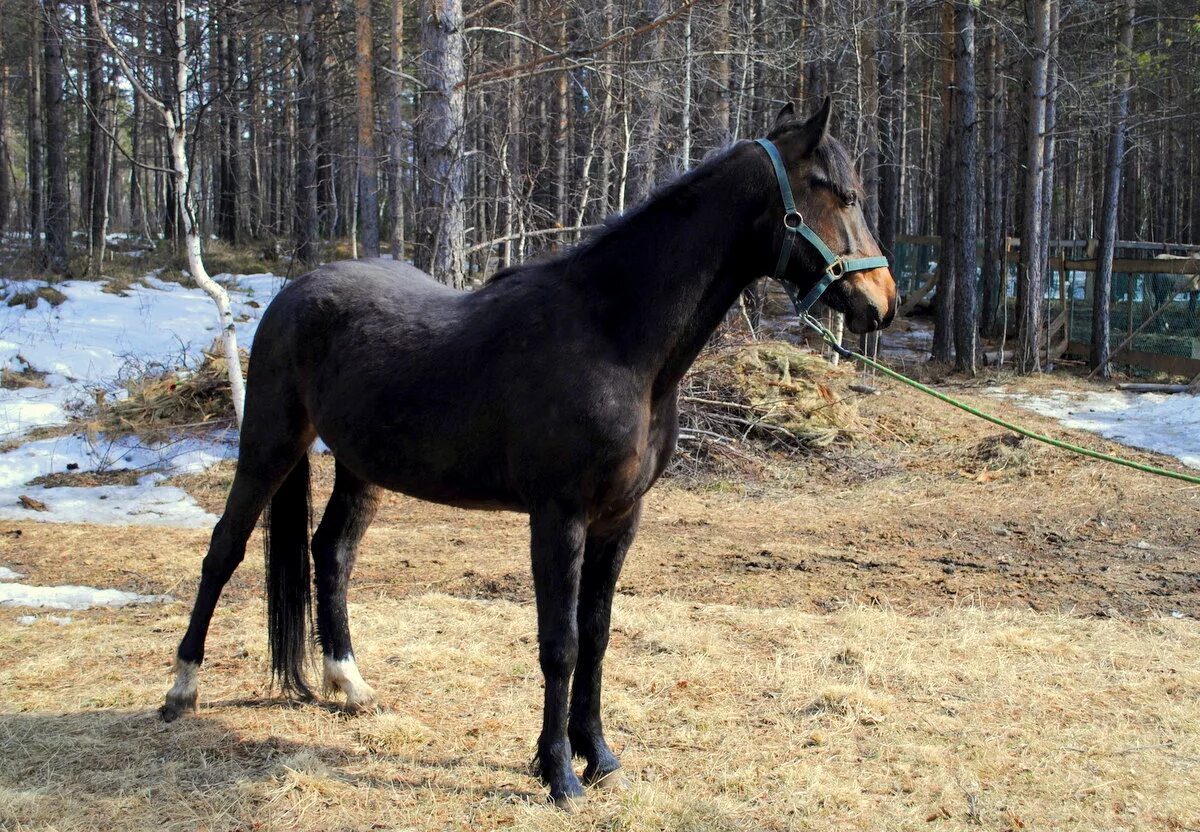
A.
pixel 174 115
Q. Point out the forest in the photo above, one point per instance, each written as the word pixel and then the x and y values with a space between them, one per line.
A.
pixel 469 137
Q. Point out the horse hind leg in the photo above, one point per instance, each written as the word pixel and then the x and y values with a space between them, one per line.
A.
pixel 351 509
pixel 275 438
pixel 253 486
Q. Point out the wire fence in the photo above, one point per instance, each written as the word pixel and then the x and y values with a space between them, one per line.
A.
pixel 1154 309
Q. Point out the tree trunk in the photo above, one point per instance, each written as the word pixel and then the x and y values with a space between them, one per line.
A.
pixel 5 179
pixel 368 167
pixel 966 161
pixel 225 78
pixel 441 248
pixel 308 224
pixel 58 203
pixel 685 127
pixel 1032 276
pixel 995 272
pixel 890 115
pixel 396 155
pixel 651 103
pixel 948 222
pixel 1107 223
pixel 96 204
pixel 1052 81
pixel 36 156
pixel 562 148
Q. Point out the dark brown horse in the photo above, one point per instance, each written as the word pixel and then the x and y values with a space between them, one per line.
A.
pixel 551 391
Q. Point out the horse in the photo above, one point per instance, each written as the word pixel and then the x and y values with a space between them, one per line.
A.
pixel 551 390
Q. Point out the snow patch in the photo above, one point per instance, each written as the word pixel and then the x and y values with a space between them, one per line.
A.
pixel 144 503
pixel 72 597
pixel 86 343
pixel 89 340
pixel 7 574
pixel 1167 424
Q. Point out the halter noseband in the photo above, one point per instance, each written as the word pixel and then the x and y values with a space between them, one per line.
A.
pixel 793 223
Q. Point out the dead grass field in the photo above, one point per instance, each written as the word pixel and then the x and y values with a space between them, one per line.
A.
pixel 931 630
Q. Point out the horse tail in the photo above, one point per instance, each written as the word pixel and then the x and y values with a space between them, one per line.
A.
pixel 289 581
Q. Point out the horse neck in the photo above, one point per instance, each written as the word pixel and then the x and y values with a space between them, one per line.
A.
pixel 665 278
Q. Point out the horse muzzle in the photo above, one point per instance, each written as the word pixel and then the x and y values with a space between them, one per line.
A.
pixel 868 299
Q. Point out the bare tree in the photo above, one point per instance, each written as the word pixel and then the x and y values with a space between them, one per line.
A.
pixel 35 159
pixel 307 226
pixel 174 114
pixel 1032 276
pixel 396 129
pixel 966 307
pixel 441 246
pixel 1107 223
pixel 58 202
pixel 368 166
pixel 948 222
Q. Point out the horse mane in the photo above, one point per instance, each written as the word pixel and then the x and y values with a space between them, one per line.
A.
pixel 675 194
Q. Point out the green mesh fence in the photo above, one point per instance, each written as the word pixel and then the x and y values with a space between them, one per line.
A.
pixel 1160 311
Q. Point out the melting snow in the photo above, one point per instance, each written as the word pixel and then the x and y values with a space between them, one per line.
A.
pixel 90 339
pixel 85 343
pixel 7 574
pixel 1168 424
pixel 72 597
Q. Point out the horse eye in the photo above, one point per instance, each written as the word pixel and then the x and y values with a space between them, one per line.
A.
pixel 851 199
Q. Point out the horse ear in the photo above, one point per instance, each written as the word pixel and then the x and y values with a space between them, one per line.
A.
pixel 819 123
pixel 786 113
pixel 816 128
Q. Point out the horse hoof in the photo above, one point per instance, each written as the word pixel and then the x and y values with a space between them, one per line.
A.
pixel 369 706
pixel 176 706
pixel 568 803
pixel 608 781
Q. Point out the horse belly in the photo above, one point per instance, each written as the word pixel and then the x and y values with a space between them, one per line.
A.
pixel 440 468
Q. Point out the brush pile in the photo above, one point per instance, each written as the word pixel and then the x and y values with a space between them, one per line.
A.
pixel 159 405
pixel 740 406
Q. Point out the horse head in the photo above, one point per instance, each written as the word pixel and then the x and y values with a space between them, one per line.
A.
pixel 828 198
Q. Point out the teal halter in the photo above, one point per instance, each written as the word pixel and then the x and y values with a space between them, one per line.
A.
pixel 793 223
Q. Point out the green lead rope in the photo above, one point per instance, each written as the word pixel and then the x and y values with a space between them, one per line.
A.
pixel 824 332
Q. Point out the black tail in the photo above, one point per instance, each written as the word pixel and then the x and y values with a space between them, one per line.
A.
pixel 289 580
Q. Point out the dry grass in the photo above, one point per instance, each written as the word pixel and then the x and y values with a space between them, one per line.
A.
pixel 29 299
pixel 744 406
pixel 726 718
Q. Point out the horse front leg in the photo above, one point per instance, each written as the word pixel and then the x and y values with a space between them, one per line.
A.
pixel 557 537
pixel 603 557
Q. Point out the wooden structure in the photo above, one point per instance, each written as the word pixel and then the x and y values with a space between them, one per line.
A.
pixel 1056 339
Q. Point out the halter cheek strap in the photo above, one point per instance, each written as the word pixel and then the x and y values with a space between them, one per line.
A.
pixel 793 224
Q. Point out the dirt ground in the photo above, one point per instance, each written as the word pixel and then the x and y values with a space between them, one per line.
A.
pixel 932 628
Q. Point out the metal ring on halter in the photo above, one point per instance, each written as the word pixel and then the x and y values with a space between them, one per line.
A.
pixel 793 220
pixel 837 268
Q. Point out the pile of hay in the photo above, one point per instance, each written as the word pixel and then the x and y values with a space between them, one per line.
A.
pixel 159 405
pixel 741 405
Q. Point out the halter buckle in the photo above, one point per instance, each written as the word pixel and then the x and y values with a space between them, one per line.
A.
pixel 793 220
